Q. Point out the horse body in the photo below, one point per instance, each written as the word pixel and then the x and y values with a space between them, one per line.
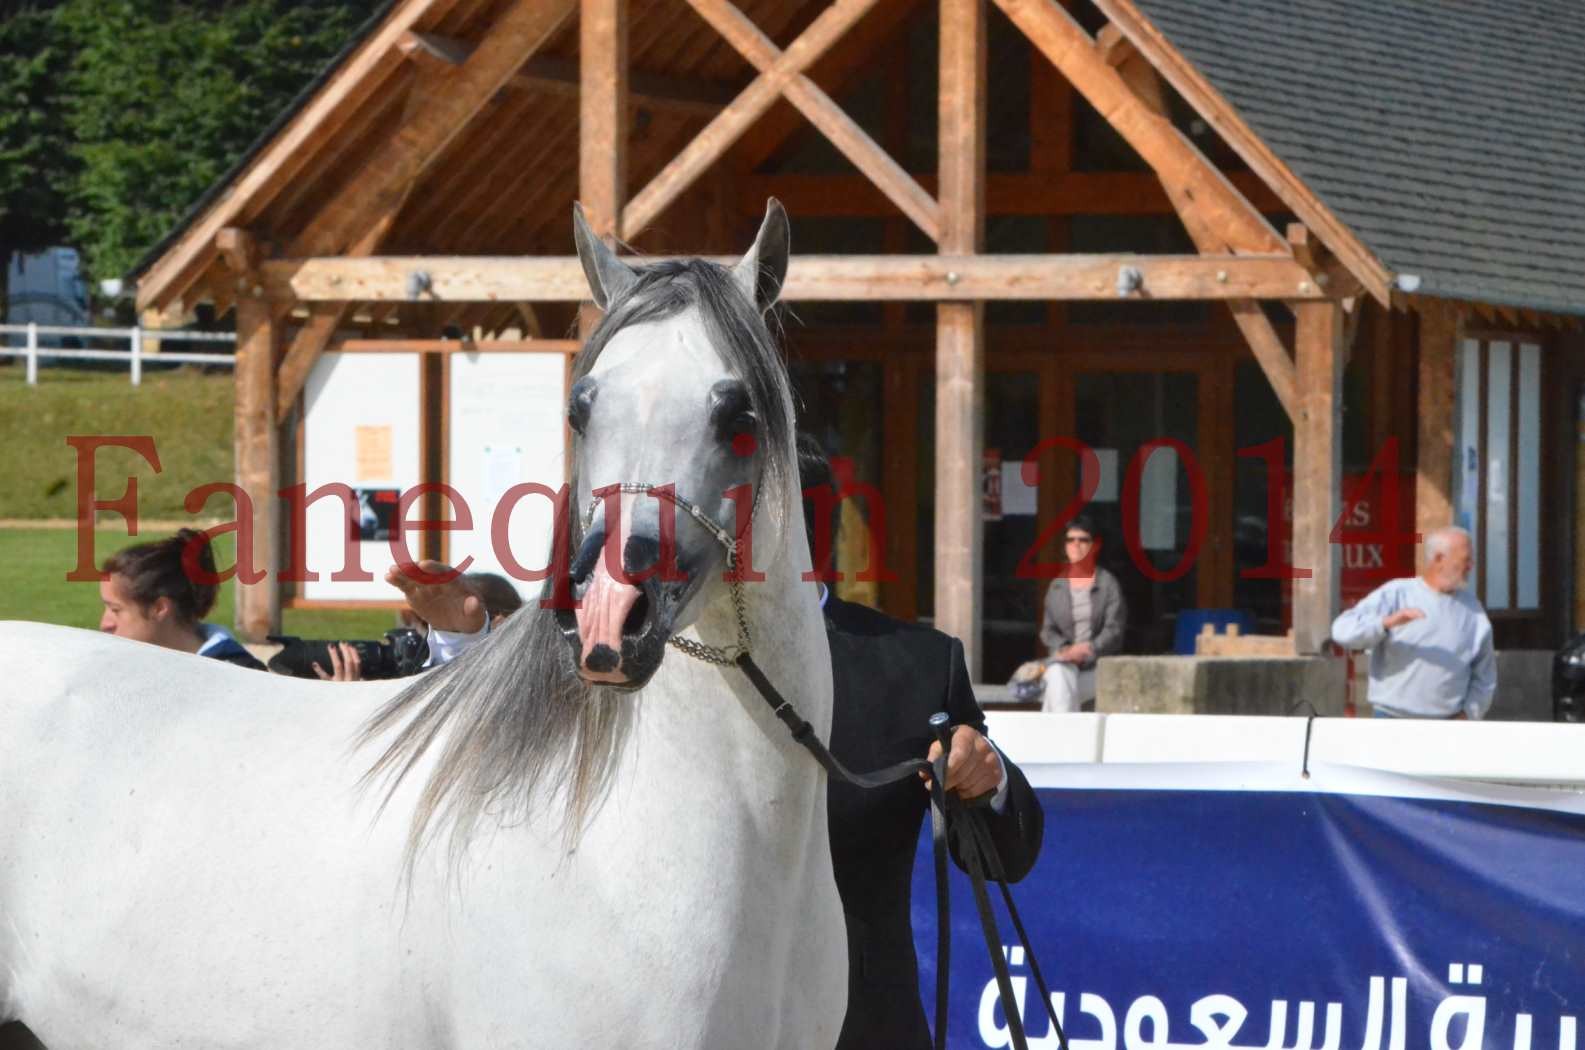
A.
pixel 184 851
pixel 180 840
pixel 197 854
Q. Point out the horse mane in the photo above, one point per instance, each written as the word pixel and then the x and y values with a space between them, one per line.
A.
pixel 511 722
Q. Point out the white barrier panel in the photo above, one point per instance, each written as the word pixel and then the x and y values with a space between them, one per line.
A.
pixel 1512 752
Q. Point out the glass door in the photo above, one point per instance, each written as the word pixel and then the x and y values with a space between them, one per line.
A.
pixel 1147 491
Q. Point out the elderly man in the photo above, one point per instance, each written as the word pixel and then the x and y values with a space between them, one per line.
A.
pixel 1429 639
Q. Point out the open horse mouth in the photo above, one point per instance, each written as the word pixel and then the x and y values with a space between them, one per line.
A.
pixel 618 630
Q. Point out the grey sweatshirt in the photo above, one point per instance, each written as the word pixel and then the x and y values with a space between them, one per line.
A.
pixel 1430 668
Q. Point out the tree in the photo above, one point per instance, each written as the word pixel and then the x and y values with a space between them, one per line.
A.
pixel 36 162
pixel 163 97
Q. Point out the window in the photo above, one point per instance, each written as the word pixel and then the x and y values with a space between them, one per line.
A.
pixel 1497 476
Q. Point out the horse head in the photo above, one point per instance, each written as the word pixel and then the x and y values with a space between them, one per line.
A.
pixel 681 416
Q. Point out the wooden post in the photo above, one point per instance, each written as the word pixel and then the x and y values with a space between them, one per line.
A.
pixel 258 464
pixel 602 124
pixel 960 331
pixel 1433 481
pixel 1317 470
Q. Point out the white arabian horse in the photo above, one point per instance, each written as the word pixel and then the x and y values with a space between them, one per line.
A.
pixel 538 845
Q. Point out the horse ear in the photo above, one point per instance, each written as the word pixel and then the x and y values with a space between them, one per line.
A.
pixel 763 268
pixel 609 277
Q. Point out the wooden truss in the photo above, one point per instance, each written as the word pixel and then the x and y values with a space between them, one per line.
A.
pixel 1242 259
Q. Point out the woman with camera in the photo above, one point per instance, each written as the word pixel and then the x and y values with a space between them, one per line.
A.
pixel 153 593
pixel 474 603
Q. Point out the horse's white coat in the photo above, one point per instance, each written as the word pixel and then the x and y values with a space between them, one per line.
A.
pixel 185 859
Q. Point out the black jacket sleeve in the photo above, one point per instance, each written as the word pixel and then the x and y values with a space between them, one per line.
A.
pixel 1018 829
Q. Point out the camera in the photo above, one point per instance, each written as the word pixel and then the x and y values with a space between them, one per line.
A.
pixel 400 653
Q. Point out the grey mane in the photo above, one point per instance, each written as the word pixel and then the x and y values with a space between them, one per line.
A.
pixel 511 724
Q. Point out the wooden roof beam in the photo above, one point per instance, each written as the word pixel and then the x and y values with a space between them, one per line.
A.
pixel 836 68
pixel 1325 267
pixel 1264 342
pixel 454 84
pixel 728 125
pixel 1120 53
pixel 444 103
pixel 920 278
pixel 433 50
pixel 1180 165
pixel 239 249
pixel 842 130
pixel 1216 111
pixel 703 98
pixel 558 76
pixel 324 319
pixel 284 157
pixel 1007 193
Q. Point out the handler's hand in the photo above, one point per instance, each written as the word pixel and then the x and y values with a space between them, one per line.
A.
pixel 973 766
pixel 345 664
pixel 450 606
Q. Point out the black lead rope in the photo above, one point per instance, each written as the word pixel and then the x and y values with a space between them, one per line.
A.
pixel 975 847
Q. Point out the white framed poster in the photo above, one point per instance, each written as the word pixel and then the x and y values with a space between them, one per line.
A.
pixel 505 427
pixel 362 427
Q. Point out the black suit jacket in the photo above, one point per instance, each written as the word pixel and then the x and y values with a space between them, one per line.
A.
pixel 889 677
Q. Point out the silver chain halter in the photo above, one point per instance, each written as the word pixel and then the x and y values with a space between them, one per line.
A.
pixel 725 656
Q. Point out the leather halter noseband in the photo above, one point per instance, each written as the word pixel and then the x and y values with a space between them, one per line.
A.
pixel 724 656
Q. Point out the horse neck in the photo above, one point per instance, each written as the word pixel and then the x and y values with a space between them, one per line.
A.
pixel 787 642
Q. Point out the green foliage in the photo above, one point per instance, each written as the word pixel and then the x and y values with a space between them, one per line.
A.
pixel 133 108
pixel 165 97
pixel 36 164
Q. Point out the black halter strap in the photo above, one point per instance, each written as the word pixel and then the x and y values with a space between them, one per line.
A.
pixel 965 822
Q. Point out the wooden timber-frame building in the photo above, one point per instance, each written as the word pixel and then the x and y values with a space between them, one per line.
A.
pixel 1265 234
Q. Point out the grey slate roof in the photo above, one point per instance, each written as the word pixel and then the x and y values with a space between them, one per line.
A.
pixel 1448 134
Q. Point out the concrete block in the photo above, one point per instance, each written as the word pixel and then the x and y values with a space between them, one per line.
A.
pixel 1219 685
pixel 1524 686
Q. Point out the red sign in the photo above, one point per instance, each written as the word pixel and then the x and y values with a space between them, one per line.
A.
pixel 991 485
pixel 1375 548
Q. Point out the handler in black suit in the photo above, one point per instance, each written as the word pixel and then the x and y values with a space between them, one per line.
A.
pixel 888 678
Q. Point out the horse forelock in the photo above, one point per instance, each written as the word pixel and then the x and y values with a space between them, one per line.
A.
pixel 736 330
pixel 512 726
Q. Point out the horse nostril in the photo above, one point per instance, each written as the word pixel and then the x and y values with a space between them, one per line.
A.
pixel 589 552
pixel 637 615
pixel 602 658
pixel 640 555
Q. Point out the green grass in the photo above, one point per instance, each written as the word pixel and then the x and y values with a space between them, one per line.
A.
pixel 33 585
pixel 187 413
pixel 189 416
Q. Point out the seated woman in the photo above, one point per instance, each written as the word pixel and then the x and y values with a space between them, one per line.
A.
pixel 151 597
pixel 1082 620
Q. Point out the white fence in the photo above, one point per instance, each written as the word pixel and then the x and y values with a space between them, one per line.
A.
pixel 133 354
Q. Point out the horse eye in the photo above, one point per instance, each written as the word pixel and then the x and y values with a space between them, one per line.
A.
pixel 581 403
pixel 730 413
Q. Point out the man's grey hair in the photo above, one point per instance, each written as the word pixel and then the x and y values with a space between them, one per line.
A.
pixel 1440 542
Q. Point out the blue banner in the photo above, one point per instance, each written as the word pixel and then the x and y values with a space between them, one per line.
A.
pixel 1241 906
